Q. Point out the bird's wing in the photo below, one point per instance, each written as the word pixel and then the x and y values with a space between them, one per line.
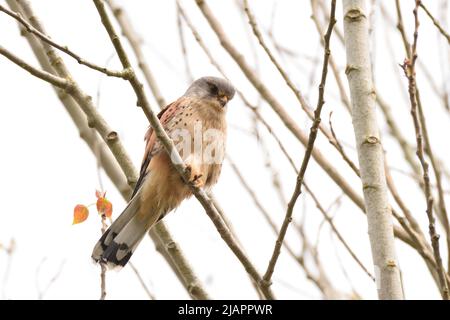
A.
pixel 117 244
pixel 164 116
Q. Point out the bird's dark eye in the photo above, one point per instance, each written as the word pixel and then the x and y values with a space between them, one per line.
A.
pixel 213 88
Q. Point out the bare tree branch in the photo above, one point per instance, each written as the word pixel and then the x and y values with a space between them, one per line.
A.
pixel 131 35
pixel 436 22
pixel 410 73
pixel 50 78
pixel 141 281
pixel 307 156
pixel 43 37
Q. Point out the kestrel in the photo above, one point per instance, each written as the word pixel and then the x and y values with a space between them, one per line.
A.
pixel 196 123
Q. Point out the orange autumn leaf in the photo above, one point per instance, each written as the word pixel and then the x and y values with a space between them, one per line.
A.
pixel 104 207
pixel 100 194
pixel 80 213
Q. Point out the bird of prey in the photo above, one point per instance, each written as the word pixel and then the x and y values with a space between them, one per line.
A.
pixel 196 123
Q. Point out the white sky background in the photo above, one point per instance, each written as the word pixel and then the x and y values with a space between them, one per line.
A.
pixel 46 169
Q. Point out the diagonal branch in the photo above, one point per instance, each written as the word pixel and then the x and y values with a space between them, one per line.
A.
pixel 130 33
pixel 307 156
pixel 435 22
pixel 50 78
pixel 43 37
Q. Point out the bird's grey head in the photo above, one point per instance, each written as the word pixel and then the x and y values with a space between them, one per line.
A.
pixel 212 88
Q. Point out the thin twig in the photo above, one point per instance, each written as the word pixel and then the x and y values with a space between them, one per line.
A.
pixel 131 35
pixel 233 232
pixel 141 281
pixel 440 209
pixel 50 78
pixel 283 73
pixel 436 22
pixel 355 295
pixel 337 74
pixel 321 279
pixel 41 293
pixel 181 36
pixel 252 194
pixel 341 149
pixel 409 69
pixel 407 148
pixel 102 265
pixel 401 28
pixel 275 175
pixel 307 156
pixel 431 78
pixel 392 188
pixel 338 234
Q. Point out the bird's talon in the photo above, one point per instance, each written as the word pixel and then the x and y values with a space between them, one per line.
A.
pixel 196 181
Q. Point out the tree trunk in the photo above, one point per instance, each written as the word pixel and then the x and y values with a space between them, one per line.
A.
pixel 370 152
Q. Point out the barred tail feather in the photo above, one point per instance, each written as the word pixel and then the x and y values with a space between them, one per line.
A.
pixel 118 243
pixel 122 246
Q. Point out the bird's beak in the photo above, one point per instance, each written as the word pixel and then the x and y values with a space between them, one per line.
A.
pixel 223 100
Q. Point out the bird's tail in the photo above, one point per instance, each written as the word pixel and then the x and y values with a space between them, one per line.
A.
pixel 118 243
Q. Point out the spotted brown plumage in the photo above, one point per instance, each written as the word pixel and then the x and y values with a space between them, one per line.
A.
pixel 196 123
